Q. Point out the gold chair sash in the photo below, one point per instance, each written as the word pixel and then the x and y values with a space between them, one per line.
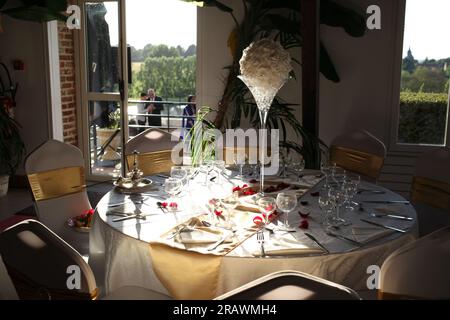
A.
pixel 152 162
pixel 57 183
pixel 432 192
pixel 360 162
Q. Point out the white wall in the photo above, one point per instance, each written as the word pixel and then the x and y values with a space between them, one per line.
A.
pixel 362 100
pixel 25 41
pixel 214 27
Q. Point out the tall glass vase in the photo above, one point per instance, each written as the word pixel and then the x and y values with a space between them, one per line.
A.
pixel 263 96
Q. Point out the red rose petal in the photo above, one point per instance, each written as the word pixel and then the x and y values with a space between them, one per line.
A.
pixel 304 224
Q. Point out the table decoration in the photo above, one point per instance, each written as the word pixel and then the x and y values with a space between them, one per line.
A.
pixel 82 223
pixel 265 67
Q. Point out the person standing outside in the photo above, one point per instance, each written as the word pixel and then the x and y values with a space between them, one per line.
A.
pixel 154 107
pixel 189 113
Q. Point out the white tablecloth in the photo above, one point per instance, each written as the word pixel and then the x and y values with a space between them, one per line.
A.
pixel 119 251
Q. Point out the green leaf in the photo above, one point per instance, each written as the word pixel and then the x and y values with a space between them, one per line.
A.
pixel 278 22
pixel 54 5
pixel 326 65
pixel 336 15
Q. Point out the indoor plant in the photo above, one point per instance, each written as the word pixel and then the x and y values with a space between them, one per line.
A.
pixel 12 148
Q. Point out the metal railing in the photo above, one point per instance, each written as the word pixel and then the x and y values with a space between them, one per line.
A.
pixel 173 110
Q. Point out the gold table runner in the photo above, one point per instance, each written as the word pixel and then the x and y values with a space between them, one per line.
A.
pixel 190 271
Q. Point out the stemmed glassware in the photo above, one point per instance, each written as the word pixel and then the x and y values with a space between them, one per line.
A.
pixel 286 202
pixel 179 172
pixel 219 167
pixel 172 186
pixel 298 165
pixel 263 97
pixel 267 206
pixel 326 205
pixel 230 203
pixel 240 158
pixel 206 167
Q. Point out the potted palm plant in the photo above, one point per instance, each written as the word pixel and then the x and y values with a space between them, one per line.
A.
pixel 12 148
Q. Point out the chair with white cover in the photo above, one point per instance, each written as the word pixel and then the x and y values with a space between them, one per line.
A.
pixel 7 290
pixel 155 151
pixel 359 152
pixel 290 285
pixel 43 266
pixel 430 190
pixel 419 270
pixel 56 175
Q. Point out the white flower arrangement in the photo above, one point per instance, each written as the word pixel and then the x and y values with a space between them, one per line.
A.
pixel 265 64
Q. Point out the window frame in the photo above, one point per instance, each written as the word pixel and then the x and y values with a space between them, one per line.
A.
pixel 396 67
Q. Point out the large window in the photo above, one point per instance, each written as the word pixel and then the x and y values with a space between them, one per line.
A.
pixel 151 43
pixel 424 93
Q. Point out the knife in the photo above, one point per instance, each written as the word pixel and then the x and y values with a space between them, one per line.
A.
pixel 386 201
pixel 384 226
pixel 393 216
pixel 342 237
pixel 317 242
pixel 218 243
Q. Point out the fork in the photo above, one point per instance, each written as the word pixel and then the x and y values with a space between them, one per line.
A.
pixel 260 238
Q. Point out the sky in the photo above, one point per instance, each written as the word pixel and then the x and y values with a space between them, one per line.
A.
pixel 173 23
pixel 427 28
pixel 427 25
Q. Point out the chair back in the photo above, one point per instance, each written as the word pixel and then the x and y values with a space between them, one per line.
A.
pixel 56 175
pixel 359 152
pixel 7 290
pixel 155 151
pixel 419 270
pixel 43 266
pixel 290 285
pixel 431 181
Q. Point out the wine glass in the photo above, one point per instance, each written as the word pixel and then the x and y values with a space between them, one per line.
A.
pixel 286 202
pixel 326 205
pixel 266 206
pixel 230 203
pixel 298 165
pixel 337 197
pixel 240 158
pixel 206 167
pixel 179 172
pixel 219 166
pixel 172 186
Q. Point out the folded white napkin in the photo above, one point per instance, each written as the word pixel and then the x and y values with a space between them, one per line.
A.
pixel 201 235
pixel 288 245
pixel 365 234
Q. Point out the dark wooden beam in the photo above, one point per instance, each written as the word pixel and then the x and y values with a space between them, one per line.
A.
pixel 310 23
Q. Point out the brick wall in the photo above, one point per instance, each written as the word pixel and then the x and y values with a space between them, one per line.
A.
pixel 68 91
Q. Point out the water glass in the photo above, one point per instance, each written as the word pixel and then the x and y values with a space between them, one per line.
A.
pixel 286 202
pixel 179 172
pixel 267 206
pixel 172 186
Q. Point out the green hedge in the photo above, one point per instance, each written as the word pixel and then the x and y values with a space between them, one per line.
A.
pixel 422 117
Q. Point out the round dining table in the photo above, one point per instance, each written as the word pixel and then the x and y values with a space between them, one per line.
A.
pixel 121 246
